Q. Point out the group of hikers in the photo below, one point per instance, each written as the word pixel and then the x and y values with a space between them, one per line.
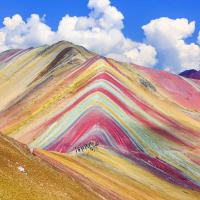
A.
pixel 92 145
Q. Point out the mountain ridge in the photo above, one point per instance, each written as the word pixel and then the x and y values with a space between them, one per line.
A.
pixel 191 73
pixel 59 99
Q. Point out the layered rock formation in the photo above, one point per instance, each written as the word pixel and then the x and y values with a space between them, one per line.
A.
pixel 125 131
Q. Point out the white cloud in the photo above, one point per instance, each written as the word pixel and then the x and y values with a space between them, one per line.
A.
pixel 199 38
pixel 144 53
pixel 17 33
pixel 168 37
pixel 12 23
pixel 111 17
pixel 100 31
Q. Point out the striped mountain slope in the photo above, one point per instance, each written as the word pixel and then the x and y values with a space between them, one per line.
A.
pixel 23 176
pixel 127 131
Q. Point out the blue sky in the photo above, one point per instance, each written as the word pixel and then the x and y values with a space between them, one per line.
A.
pixel 135 15
pixel 136 12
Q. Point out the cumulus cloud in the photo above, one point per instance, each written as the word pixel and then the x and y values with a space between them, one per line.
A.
pixel 168 37
pixel 199 38
pixel 100 31
pixel 17 33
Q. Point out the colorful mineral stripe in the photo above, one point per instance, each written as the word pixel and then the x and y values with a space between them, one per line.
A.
pixel 146 122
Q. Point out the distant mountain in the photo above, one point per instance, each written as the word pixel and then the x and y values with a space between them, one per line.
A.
pixel 124 131
pixel 191 73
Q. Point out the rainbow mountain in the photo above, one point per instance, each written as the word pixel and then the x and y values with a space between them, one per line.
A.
pixel 122 130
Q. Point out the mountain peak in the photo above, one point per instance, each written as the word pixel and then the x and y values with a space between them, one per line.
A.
pixel 191 73
pixel 106 123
